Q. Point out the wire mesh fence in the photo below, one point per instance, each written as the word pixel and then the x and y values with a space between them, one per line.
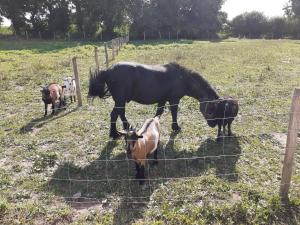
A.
pixel 105 174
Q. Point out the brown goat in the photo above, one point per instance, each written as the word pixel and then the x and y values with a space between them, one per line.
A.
pixel 142 143
pixel 51 94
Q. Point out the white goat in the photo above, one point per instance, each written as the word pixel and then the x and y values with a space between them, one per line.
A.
pixel 69 88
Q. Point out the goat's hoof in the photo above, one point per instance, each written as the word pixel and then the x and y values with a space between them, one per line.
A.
pixel 154 163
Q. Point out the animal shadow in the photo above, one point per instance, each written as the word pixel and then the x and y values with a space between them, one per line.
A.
pixel 108 181
pixel 40 122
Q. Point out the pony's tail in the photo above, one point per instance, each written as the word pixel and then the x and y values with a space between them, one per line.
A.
pixel 98 87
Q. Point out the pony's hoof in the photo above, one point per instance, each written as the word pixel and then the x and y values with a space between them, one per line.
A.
pixel 176 128
pixel 114 136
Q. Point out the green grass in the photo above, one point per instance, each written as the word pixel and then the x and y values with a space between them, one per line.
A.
pixel 45 161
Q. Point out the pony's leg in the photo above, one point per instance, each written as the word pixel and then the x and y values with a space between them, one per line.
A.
pixel 174 110
pixel 74 96
pixel 71 98
pixel 160 108
pixel 123 118
pixel 46 109
pixel 113 126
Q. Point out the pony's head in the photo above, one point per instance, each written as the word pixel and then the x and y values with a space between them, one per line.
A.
pixel 209 110
pixel 97 86
pixel 131 138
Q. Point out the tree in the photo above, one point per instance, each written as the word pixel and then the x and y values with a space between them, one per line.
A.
pixel 249 24
pixel 15 11
pixel 277 27
pixel 57 14
pixel 36 11
pixel 295 7
pixel 198 18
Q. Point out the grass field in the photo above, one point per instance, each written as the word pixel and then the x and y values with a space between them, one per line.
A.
pixel 47 162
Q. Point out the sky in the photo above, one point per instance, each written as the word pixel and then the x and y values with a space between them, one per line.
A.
pixel 235 7
pixel 268 7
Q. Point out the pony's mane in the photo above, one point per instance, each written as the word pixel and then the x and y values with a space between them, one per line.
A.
pixel 145 126
pixel 195 77
pixel 97 86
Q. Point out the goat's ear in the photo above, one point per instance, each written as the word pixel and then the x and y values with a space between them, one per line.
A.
pixel 140 136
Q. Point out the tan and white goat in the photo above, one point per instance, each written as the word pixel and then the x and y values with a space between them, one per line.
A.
pixel 142 143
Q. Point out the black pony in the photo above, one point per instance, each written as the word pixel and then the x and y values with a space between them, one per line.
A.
pixel 145 84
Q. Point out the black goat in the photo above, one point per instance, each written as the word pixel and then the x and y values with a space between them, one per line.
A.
pixel 223 114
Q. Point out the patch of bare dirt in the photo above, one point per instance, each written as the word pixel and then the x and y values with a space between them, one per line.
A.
pixel 281 138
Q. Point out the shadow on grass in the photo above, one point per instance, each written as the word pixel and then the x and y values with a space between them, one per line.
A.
pixel 40 122
pixel 110 180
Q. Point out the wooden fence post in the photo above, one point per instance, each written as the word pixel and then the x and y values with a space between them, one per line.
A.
pixel 106 56
pixel 97 59
pixel 291 144
pixel 26 33
pixel 169 35
pixel 40 35
pixel 159 35
pixel 119 43
pixel 144 36
pixel 77 80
